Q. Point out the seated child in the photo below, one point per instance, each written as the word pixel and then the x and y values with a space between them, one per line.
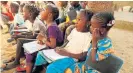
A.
pixel 35 23
pixel 6 14
pixel 100 48
pixel 30 13
pixel 63 9
pixel 83 4
pixel 18 18
pixel 53 36
pixel 75 47
pixel 68 25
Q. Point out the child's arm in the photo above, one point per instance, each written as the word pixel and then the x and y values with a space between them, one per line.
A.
pixel 93 55
pixel 65 53
pixel 95 37
pixel 64 44
pixel 80 56
pixel 43 40
pixel 51 43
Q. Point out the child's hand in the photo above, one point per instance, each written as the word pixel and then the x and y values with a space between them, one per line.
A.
pixel 40 42
pixel 15 35
pixel 16 27
pixel 40 37
pixel 95 36
pixel 69 23
pixel 61 51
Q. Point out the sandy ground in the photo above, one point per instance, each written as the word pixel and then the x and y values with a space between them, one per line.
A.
pixel 122 42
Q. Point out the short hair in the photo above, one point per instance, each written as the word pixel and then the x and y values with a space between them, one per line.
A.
pixel 64 3
pixel 22 5
pixel 4 2
pixel 15 5
pixel 33 9
pixel 54 10
pixel 104 19
pixel 87 13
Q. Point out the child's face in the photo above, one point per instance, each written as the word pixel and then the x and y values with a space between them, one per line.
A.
pixel 73 3
pixel 21 9
pixel 26 14
pixel 81 21
pixel 12 9
pixel 83 4
pixel 45 13
pixel 59 4
pixel 95 24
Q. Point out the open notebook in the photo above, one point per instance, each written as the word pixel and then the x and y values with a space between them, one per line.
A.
pixel 20 30
pixel 52 55
pixel 32 47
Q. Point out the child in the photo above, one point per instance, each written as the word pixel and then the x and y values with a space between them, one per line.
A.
pixel 63 9
pixel 70 19
pixel 36 24
pixel 18 18
pixel 83 4
pixel 101 46
pixel 75 47
pixel 53 37
pixel 6 14
pixel 30 13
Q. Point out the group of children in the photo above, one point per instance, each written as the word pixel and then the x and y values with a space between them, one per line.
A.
pixel 71 30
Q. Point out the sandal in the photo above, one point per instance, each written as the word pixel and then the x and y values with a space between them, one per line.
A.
pixel 3 67
pixel 21 68
pixel 8 61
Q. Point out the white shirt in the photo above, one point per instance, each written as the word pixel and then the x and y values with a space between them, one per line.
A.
pixel 78 42
pixel 38 25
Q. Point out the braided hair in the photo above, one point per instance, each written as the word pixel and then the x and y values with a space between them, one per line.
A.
pixel 33 9
pixel 54 11
pixel 105 19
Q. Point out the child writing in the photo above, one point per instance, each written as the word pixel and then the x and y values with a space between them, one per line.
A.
pixel 101 46
pixel 74 49
pixel 53 36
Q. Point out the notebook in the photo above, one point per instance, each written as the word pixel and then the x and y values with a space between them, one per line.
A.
pixel 52 55
pixel 32 47
pixel 20 30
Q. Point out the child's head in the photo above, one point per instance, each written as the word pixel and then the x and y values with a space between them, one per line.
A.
pixel 83 4
pixel 83 19
pixel 30 12
pixel 74 3
pixel 50 13
pixel 14 7
pixel 102 21
pixel 4 2
pixel 21 7
pixel 62 3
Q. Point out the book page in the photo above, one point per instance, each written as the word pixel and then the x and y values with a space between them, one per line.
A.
pixel 52 55
pixel 32 47
pixel 20 30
